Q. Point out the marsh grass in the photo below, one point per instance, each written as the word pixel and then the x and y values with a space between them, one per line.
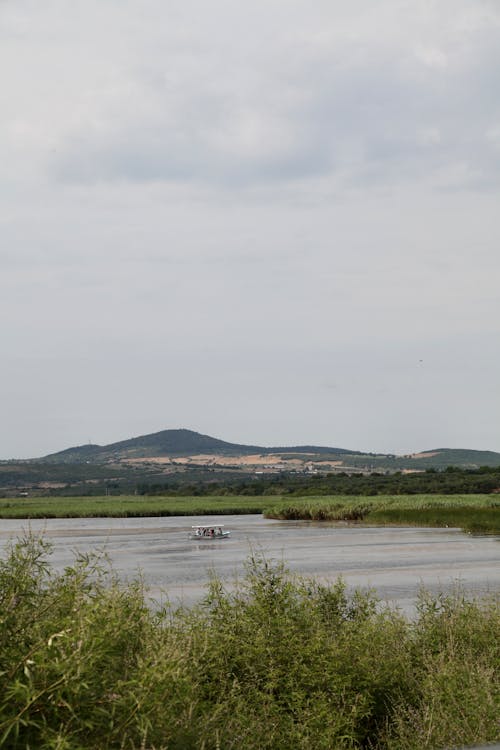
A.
pixel 128 506
pixel 470 512
pixel 279 662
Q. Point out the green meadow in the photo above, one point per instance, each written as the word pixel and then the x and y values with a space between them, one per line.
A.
pixel 127 506
pixel 479 513
pixel 280 662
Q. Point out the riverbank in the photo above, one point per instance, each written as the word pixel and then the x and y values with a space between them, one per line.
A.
pixel 475 513
pixel 478 513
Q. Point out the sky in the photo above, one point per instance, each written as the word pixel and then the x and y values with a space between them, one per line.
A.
pixel 273 222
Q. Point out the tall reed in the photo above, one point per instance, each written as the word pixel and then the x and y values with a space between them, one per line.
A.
pixel 469 512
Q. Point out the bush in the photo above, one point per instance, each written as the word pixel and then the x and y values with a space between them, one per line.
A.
pixel 280 662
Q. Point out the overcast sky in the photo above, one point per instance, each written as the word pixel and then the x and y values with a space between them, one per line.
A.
pixel 274 222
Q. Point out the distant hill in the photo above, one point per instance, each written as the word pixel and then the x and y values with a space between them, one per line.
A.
pixel 467 459
pixel 201 461
pixel 438 459
pixel 177 443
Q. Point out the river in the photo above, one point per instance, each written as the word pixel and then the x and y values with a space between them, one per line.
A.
pixel 395 561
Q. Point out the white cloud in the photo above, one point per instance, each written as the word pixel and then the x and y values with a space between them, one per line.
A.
pixel 277 92
pixel 252 200
pixel 433 58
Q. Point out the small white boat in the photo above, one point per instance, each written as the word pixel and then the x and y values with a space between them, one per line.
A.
pixel 215 531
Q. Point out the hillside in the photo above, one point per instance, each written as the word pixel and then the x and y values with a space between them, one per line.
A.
pixel 176 443
pixel 194 450
pixel 171 460
pixel 460 457
pixel 438 459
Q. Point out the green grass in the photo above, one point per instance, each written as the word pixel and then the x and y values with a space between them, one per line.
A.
pixel 281 662
pixel 125 506
pixel 479 513
pixel 470 512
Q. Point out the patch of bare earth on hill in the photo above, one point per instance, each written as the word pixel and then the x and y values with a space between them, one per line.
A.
pixel 430 454
pixel 209 459
pixel 256 460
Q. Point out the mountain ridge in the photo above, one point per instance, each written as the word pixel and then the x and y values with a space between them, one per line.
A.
pixel 178 442
pixel 183 442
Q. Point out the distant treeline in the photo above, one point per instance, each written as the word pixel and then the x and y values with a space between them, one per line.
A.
pixel 68 480
pixel 452 481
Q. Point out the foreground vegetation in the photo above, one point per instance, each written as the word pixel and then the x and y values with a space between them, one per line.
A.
pixel 471 512
pixel 280 663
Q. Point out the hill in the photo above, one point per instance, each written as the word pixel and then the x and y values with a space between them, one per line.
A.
pixel 182 461
pixel 187 443
pixel 441 458
pixel 176 443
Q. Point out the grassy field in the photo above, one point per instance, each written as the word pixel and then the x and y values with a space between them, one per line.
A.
pixel 479 513
pixel 470 512
pixel 281 662
pixel 128 506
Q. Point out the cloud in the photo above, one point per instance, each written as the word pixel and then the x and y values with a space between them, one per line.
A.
pixel 258 198
pixel 363 104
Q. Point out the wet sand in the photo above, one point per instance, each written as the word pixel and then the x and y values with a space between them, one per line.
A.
pixel 395 561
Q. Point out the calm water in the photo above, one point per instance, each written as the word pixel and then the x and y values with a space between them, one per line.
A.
pixel 394 561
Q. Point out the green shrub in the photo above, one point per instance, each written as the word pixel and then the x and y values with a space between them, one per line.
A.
pixel 278 662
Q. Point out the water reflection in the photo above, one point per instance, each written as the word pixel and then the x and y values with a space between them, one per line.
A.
pixel 394 561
